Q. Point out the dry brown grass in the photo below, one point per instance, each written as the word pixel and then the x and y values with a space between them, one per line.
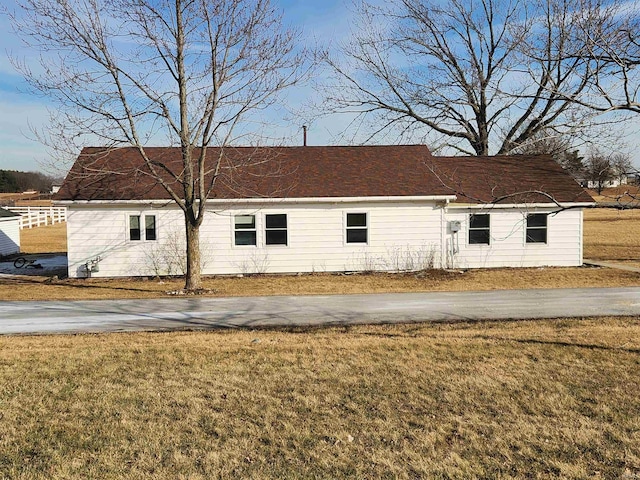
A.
pixel 40 288
pixel 544 399
pixel 612 234
pixel 49 239
pixel 624 194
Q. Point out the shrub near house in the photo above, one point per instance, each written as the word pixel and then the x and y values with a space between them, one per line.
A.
pixel 306 209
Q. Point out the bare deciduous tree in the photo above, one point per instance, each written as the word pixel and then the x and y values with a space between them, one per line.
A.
pixel 610 33
pixel 560 148
pixel 602 168
pixel 485 76
pixel 127 72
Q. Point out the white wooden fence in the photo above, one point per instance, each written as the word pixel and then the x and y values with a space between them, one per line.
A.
pixel 36 216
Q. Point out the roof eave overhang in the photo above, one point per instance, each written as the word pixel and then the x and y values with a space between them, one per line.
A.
pixel 262 201
pixel 561 205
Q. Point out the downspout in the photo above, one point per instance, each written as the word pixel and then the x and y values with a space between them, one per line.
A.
pixel 581 238
pixel 443 236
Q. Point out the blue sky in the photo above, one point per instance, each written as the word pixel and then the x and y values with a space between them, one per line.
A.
pixel 20 111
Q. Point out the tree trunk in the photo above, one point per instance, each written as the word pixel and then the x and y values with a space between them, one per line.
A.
pixel 193 280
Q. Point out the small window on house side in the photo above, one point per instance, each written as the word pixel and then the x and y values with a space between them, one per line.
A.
pixel 537 228
pixel 479 232
pixel 245 229
pixel 149 227
pixel 276 229
pixel 357 228
pixel 134 227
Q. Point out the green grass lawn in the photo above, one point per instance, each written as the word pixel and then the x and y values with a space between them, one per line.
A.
pixel 534 399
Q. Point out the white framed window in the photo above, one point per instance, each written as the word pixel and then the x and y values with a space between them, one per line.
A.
pixel 149 227
pixel 136 229
pixel 537 228
pixel 479 229
pixel 357 228
pixel 275 231
pixel 244 229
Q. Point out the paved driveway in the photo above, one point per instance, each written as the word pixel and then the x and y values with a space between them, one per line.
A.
pixel 181 313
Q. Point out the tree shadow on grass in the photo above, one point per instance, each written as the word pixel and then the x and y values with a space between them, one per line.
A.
pixel 39 280
pixel 557 343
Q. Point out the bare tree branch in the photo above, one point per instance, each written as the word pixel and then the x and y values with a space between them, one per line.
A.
pixel 123 72
pixel 486 74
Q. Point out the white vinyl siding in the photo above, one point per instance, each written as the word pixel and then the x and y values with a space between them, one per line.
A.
pixel 9 235
pixel 104 232
pixel 509 247
pixel 400 236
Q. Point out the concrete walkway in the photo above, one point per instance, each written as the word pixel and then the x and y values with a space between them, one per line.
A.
pixel 599 263
pixel 251 312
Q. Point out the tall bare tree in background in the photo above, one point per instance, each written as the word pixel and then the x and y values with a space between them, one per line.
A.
pixel 483 76
pixel 560 148
pixel 602 168
pixel 124 72
pixel 610 32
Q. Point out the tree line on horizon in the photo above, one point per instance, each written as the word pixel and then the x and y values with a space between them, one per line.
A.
pixel 13 181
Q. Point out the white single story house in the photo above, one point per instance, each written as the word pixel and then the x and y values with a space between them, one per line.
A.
pixel 324 209
pixel 9 232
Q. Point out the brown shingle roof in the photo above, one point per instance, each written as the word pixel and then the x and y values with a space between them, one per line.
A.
pixel 304 172
pixel 508 179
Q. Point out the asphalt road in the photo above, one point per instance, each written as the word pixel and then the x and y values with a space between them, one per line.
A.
pixel 249 312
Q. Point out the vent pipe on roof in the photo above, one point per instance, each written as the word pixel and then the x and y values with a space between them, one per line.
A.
pixel 304 135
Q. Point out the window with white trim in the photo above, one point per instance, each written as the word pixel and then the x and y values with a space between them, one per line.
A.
pixel 134 227
pixel 275 232
pixel 245 230
pixel 150 227
pixel 537 228
pixel 136 230
pixel 479 229
pixel 357 229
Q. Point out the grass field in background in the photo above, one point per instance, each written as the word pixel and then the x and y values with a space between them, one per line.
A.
pixel 48 239
pixel 612 235
pixel 533 399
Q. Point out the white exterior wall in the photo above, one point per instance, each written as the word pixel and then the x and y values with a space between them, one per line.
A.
pixel 508 246
pixel 400 236
pixel 103 232
pixel 9 235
